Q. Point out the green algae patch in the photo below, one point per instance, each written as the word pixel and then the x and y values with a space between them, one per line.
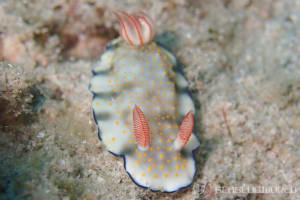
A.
pixel 20 175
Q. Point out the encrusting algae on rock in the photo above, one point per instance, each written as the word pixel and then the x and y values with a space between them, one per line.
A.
pixel 143 109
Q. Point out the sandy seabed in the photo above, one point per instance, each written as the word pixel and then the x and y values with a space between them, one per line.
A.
pixel 241 57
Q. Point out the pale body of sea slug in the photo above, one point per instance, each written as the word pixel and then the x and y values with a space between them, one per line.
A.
pixel 143 109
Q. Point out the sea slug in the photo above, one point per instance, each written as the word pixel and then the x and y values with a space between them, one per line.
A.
pixel 143 109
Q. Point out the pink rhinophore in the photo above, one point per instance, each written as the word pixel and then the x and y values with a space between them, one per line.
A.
pixel 141 128
pixel 185 131
pixel 137 28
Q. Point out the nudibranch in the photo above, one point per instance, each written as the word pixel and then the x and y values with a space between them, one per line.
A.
pixel 143 108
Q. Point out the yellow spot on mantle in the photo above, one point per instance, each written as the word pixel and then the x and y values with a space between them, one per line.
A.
pixel 124 131
pixel 161 156
pixel 140 156
pixel 150 160
pixel 155 176
pixel 149 169
pixel 138 162
pixel 113 139
pixel 117 123
pixel 170 148
pixel 177 166
pixel 97 103
pixel 162 166
pixel 143 174
pixel 176 174
pixel 168 161
pixel 165 175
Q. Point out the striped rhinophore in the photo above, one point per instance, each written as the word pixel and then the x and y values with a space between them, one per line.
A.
pixel 141 129
pixel 185 131
pixel 136 29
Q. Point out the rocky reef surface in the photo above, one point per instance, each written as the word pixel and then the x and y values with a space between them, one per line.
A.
pixel 241 57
